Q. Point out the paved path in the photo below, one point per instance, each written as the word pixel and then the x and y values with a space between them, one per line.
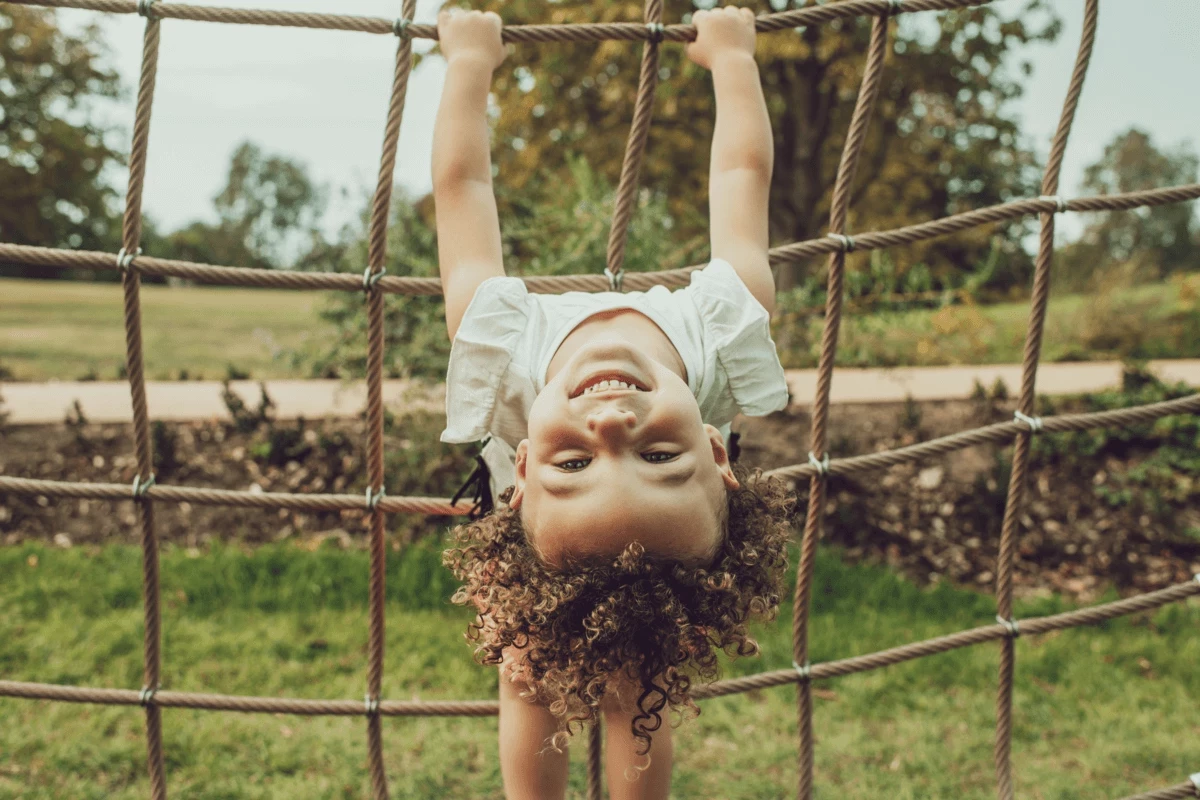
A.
pixel 105 401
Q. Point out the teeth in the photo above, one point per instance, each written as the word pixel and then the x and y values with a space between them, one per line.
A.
pixel 606 385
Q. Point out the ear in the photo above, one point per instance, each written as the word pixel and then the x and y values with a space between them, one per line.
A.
pixel 518 494
pixel 721 457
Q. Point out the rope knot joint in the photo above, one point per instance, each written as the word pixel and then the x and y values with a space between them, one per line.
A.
pixel 372 705
pixel 820 465
pixel 144 8
pixel 805 672
pixel 373 498
pixel 615 279
pixel 125 258
pixel 140 487
pixel 657 31
pixel 846 242
pixel 146 695
pixel 1014 629
pixel 1034 423
pixel 400 27
pixel 895 6
pixel 370 279
pixel 1060 202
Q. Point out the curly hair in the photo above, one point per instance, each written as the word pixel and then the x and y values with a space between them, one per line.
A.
pixel 654 621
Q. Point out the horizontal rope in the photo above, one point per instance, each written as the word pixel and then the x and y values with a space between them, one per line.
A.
pixel 27 255
pixel 483 708
pixel 1180 791
pixel 580 32
pixel 999 432
pixel 230 497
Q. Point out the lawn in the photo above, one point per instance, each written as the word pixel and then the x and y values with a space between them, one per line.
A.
pixel 1100 712
pixel 69 331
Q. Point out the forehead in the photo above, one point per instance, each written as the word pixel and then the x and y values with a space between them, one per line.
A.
pixel 682 522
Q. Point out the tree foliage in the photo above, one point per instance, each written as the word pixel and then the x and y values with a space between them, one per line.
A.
pixel 54 152
pixel 1147 242
pixel 944 137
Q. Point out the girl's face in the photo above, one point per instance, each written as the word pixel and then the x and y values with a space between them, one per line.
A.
pixel 617 453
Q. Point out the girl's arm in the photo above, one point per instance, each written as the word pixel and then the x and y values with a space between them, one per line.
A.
pixel 743 153
pixel 468 228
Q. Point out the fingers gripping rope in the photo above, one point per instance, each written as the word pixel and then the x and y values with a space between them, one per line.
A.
pixel 1034 423
pixel 1013 629
pixel 821 466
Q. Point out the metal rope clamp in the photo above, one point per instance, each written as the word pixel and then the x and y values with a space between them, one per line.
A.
pixel 373 498
pixel 143 8
pixel 805 672
pixel 657 31
pixel 895 7
pixel 615 279
pixel 146 695
pixel 139 487
pixel 370 279
pixel 1034 423
pixel 846 242
pixel 125 259
pixel 1060 202
pixel 821 466
pixel 1013 629
pixel 400 27
pixel 372 705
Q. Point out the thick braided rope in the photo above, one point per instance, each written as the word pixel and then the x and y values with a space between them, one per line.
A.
pixel 855 138
pixel 595 768
pixel 587 32
pixel 1188 790
pixel 28 255
pixel 635 149
pixel 1015 502
pixel 478 708
pixel 131 231
pixel 376 262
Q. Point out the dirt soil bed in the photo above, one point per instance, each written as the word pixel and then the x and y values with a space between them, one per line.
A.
pixel 936 520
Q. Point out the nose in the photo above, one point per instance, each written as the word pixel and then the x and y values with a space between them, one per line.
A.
pixel 611 424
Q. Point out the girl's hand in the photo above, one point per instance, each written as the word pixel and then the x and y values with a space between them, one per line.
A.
pixel 471 35
pixel 720 32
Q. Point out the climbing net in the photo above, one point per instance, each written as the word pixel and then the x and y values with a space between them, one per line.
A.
pixel 145 492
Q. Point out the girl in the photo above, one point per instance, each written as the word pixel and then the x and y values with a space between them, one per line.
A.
pixel 628 550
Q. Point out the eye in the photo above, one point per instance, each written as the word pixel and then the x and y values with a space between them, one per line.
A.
pixel 659 458
pixel 573 464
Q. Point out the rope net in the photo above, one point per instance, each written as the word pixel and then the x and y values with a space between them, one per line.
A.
pixel 145 492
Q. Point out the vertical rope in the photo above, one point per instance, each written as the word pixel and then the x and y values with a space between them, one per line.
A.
pixel 377 257
pixel 639 132
pixel 131 232
pixel 595 768
pixel 855 138
pixel 1020 462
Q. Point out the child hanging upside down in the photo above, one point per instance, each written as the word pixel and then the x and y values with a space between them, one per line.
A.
pixel 627 550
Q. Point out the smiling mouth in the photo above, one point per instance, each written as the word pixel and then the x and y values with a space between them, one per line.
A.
pixel 608 383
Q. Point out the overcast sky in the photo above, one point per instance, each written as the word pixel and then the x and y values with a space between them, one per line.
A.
pixel 321 96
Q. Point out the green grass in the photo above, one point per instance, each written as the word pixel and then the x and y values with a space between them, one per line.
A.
pixel 1093 719
pixel 67 330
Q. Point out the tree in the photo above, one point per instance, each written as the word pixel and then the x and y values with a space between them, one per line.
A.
pixel 54 155
pixel 268 216
pixel 943 140
pixel 1150 242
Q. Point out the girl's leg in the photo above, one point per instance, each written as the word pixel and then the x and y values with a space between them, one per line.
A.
pixel 631 776
pixel 529 768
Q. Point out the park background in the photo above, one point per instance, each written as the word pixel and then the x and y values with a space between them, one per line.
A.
pixel 263 148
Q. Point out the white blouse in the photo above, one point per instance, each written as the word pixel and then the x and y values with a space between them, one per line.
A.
pixel 508 336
